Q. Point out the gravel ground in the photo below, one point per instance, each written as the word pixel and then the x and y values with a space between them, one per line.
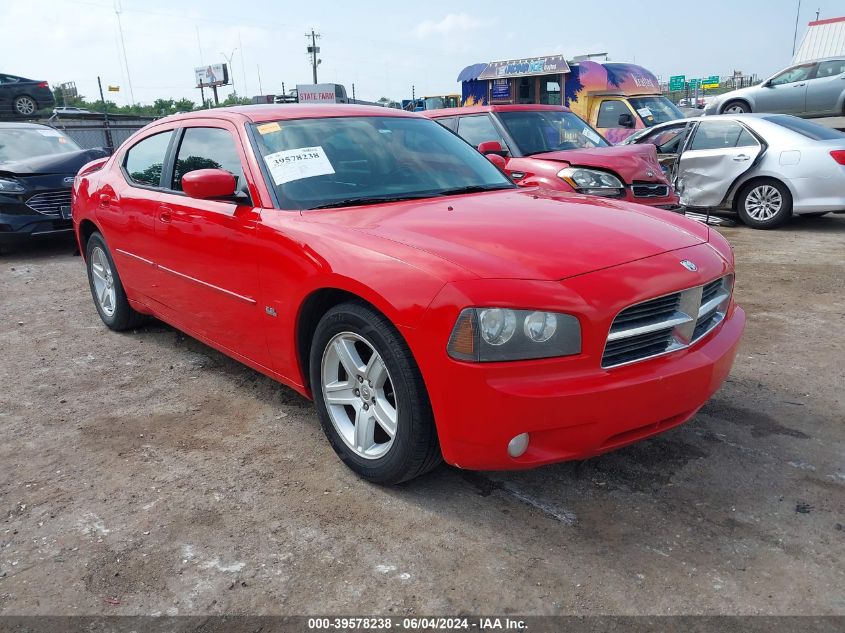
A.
pixel 144 473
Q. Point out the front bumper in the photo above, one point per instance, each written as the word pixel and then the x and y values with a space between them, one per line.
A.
pixel 16 228
pixel 571 407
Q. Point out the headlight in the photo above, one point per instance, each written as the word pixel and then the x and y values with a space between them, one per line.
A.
pixel 592 181
pixel 498 334
pixel 11 186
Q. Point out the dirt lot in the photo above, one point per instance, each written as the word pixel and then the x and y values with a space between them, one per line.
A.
pixel 145 473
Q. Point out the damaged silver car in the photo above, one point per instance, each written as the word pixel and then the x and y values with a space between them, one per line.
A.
pixel 764 167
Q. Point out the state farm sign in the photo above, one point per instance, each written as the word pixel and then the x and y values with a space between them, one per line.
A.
pixel 316 93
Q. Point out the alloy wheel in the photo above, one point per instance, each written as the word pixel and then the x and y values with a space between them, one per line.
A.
pixel 763 203
pixel 735 109
pixel 25 105
pixel 103 279
pixel 359 395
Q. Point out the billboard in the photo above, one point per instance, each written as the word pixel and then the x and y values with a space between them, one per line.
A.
pixel 317 93
pixel 212 75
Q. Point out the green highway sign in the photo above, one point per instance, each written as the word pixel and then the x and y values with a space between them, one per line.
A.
pixel 677 82
pixel 712 79
pixel 694 83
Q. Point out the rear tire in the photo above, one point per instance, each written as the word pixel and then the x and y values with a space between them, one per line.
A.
pixel 764 204
pixel 736 107
pixel 25 105
pixel 381 393
pixel 106 287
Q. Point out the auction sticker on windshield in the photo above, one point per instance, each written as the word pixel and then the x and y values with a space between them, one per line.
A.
pixel 595 138
pixel 296 164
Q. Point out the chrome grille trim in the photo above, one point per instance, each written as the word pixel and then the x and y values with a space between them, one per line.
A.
pixel 666 324
pixel 49 202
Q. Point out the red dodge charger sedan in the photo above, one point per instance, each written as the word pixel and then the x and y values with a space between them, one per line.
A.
pixel 377 263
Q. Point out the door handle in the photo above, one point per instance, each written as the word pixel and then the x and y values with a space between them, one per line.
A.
pixel 741 157
pixel 105 199
pixel 800 85
pixel 165 214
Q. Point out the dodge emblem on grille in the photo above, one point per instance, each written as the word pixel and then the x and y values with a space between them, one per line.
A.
pixel 689 265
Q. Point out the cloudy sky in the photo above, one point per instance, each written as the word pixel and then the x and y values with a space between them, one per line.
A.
pixel 381 47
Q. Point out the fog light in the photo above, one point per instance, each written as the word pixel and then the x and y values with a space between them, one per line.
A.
pixel 518 445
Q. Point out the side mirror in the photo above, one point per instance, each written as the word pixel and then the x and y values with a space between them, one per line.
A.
pixel 497 160
pixel 492 147
pixel 626 119
pixel 209 183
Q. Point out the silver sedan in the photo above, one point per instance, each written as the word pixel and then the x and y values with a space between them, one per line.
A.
pixel 765 167
pixel 810 89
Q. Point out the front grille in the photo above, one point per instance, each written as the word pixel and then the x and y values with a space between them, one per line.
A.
pixel 650 191
pixel 49 202
pixel 665 324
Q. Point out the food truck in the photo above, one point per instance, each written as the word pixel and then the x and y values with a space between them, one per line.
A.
pixel 615 98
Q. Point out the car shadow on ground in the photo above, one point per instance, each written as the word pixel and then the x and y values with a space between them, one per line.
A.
pixel 38 250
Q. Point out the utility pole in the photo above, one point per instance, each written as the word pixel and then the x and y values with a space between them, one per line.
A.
pixel 109 142
pixel 353 92
pixel 313 49
pixel 258 68
pixel 117 10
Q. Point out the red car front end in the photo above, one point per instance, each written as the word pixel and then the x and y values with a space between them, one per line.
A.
pixel 551 147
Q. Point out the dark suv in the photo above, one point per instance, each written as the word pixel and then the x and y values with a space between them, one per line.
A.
pixel 24 97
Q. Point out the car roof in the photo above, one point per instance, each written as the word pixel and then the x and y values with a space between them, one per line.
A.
pixel 519 107
pixel 276 112
pixel 22 125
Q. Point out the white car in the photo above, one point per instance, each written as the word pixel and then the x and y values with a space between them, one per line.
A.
pixel 765 167
pixel 70 111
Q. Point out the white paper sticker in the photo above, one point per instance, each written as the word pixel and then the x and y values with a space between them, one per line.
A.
pixel 50 133
pixel 296 164
pixel 595 138
pixel 644 112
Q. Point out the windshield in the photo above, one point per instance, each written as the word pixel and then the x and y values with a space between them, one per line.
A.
pixel 806 128
pixel 347 161
pixel 654 110
pixel 538 131
pixel 22 143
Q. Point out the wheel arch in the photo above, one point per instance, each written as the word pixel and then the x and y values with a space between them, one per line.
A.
pixel 744 100
pixel 86 229
pixel 743 183
pixel 316 304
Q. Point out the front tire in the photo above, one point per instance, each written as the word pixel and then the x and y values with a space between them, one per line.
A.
pixel 106 287
pixel 764 204
pixel 370 396
pixel 25 105
pixel 736 107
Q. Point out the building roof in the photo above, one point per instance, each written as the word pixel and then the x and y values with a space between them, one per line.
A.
pixel 824 38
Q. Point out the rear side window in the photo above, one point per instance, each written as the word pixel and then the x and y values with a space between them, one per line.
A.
pixel 449 122
pixel 478 129
pixel 207 148
pixel 831 68
pixel 144 160
pixel 806 128
pixel 722 135
pixel 609 112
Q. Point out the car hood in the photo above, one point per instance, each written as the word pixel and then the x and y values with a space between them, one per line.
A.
pixel 69 163
pixel 522 234
pixel 632 162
